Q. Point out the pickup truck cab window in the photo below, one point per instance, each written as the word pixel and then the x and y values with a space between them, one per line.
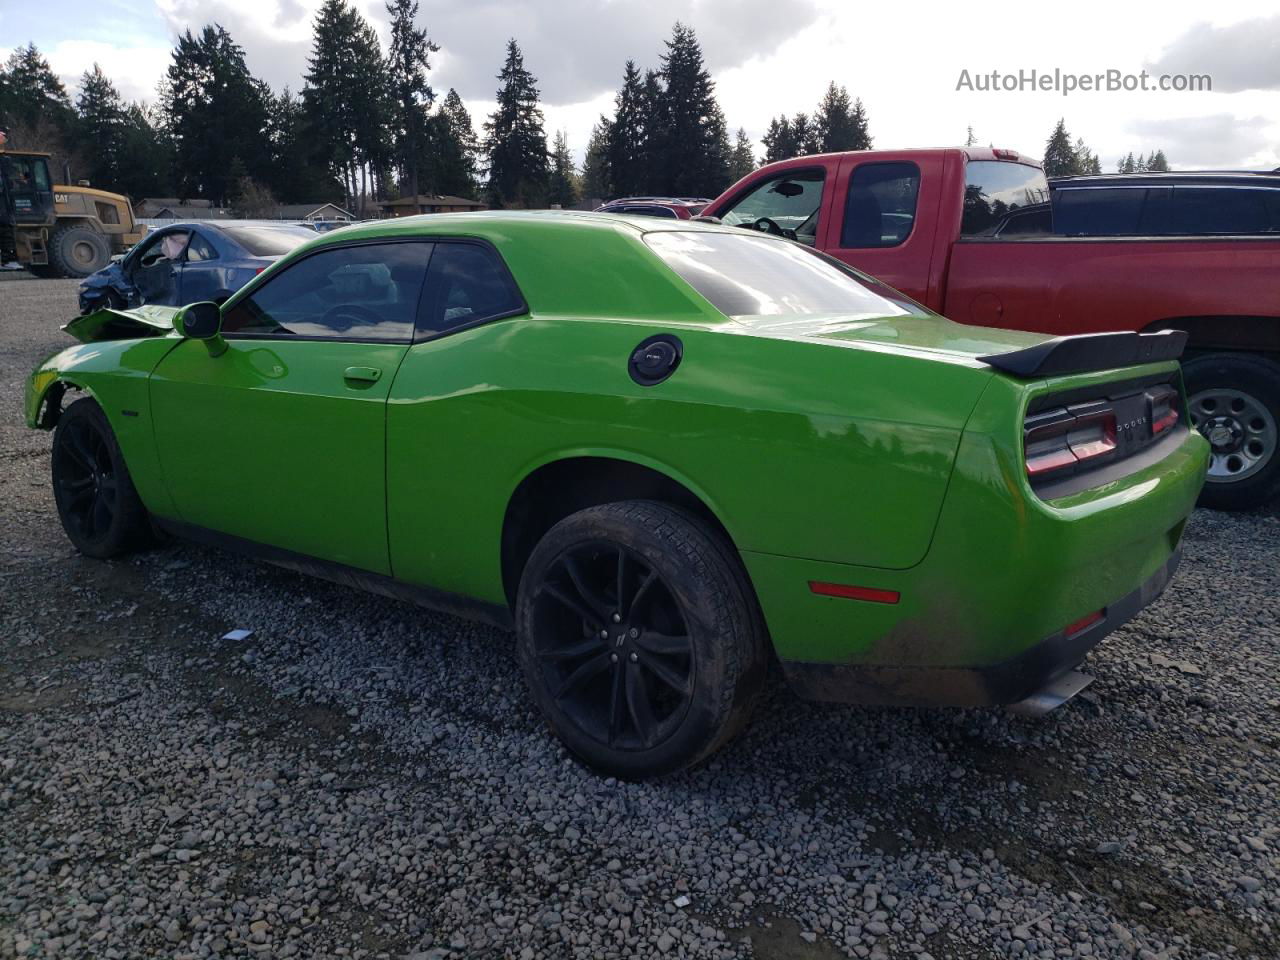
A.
pixel 786 205
pixel 880 206
pixel 995 188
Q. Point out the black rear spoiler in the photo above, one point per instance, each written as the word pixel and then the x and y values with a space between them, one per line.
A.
pixel 1088 352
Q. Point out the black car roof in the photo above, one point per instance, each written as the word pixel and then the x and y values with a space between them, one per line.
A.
pixel 1252 178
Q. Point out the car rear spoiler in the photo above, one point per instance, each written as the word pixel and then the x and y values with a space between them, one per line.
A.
pixel 1088 352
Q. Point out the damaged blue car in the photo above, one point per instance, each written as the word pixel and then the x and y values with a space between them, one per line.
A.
pixel 189 262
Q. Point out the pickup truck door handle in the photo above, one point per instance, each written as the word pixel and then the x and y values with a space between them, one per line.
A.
pixel 362 374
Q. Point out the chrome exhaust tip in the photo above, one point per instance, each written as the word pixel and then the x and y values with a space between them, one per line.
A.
pixel 1053 695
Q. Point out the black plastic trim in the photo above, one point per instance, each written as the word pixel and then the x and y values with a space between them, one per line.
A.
pixel 1089 352
pixel 995 684
pixel 494 614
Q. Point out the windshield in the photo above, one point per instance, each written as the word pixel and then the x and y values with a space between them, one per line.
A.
pixel 270 241
pixel 995 188
pixel 746 276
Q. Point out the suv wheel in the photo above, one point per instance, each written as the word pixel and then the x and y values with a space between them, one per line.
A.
pixel 1234 400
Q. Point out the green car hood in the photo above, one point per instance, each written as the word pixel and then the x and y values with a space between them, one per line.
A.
pixel 916 333
pixel 108 324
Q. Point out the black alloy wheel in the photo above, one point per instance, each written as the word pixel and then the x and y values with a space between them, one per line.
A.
pixel 613 646
pixel 97 503
pixel 640 637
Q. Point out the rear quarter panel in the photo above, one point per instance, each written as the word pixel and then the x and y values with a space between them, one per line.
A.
pixel 804 449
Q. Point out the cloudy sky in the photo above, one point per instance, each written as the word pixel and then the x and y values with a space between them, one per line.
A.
pixel 775 56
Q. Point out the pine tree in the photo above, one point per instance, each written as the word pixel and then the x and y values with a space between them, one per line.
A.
pixel 216 110
pixel 840 126
pixel 1158 163
pixel 860 139
pixel 34 106
pixel 779 142
pixel 456 149
pixel 805 133
pixel 145 155
pixel 595 177
pixel 692 145
pixel 656 120
pixel 1085 159
pixel 299 172
pixel 970 139
pixel 628 163
pixel 1059 157
pixel 102 123
pixel 1128 164
pixel 347 99
pixel 564 179
pixel 743 160
pixel 516 143
pixel 408 63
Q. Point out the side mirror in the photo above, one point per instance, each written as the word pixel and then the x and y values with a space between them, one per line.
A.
pixel 202 321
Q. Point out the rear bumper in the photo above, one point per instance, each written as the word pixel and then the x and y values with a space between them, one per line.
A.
pixel 1008 681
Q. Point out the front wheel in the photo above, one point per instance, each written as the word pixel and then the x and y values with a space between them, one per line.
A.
pixel 99 508
pixel 1234 400
pixel 640 638
pixel 78 251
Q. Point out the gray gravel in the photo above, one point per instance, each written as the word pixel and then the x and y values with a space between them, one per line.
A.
pixel 364 779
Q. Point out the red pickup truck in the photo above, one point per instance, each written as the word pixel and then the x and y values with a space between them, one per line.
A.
pixel 970 233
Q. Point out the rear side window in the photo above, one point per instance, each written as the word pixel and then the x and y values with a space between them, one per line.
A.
pixel 1104 212
pixel 880 208
pixel 746 276
pixel 200 249
pixel 995 188
pixel 790 202
pixel 466 284
pixel 1224 210
pixel 364 292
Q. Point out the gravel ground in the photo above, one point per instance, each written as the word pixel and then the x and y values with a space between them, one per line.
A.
pixel 365 779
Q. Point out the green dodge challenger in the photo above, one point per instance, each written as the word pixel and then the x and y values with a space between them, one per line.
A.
pixel 664 453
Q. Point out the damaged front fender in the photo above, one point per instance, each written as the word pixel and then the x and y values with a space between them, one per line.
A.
pixel 111 324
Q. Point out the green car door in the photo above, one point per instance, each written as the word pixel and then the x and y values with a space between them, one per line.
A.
pixel 281 439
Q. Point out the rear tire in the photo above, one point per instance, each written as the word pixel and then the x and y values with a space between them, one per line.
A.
pixel 1234 401
pixel 640 638
pixel 78 251
pixel 99 508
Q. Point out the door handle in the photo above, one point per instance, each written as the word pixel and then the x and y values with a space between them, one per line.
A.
pixel 362 374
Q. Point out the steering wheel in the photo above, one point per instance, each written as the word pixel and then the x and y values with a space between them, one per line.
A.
pixel 355 313
pixel 765 225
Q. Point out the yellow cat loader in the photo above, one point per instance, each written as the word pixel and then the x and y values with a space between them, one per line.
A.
pixel 56 230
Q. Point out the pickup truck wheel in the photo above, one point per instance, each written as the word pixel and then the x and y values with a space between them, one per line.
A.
pixel 640 638
pixel 97 504
pixel 1234 401
pixel 78 251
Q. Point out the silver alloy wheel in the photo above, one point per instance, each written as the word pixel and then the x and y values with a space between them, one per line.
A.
pixel 1241 432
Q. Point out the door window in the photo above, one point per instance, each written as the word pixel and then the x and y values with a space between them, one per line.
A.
pixel 880 208
pixel 467 284
pixel 200 249
pixel 790 203
pixel 364 292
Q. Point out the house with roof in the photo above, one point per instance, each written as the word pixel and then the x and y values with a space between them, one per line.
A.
pixel 428 203
pixel 173 208
pixel 313 212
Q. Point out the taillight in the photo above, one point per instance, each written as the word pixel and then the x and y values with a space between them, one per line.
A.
pixel 1163 409
pixel 1061 440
